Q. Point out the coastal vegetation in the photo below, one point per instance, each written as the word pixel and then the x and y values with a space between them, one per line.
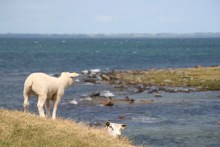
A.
pixel 203 78
pixel 25 129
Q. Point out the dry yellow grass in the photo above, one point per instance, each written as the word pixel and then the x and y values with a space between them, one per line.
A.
pixel 207 78
pixel 24 129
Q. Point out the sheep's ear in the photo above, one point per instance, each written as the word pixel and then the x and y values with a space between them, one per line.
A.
pixel 74 74
pixel 123 126
pixel 107 123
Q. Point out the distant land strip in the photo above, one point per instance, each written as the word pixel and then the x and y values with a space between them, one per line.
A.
pixel 132 35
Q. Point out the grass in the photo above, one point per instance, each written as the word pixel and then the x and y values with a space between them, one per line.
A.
pixel 206 78
pixel 24 129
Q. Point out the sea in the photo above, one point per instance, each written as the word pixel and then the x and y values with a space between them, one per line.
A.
pixel 175 119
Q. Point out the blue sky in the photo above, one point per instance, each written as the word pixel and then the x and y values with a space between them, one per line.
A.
pixel 109 16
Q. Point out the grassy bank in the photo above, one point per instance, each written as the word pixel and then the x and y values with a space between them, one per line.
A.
pixel 206 78
pixel 22 129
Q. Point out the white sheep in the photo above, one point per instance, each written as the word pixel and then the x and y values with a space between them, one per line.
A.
pixel 114 129
pixel 46 88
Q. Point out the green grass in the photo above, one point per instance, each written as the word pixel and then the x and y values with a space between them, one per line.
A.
pixel 24 130
pixel 206 78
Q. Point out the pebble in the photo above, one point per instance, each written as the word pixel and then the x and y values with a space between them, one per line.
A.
pixel 106 93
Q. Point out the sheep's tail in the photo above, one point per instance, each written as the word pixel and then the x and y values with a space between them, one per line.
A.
pixel 26 93
pixel 27 85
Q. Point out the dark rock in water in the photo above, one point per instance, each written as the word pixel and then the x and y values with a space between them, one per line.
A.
pixel 94 94
pixel 90 80
pixel 93 76
pixel 153 89
pixel 140 88
pixel 121 117
pixel 130 100
pixel 103 94
pixel 119 86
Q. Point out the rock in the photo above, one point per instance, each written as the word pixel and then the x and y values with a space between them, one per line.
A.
pixel 74 102
pixel 157 95
pixel 179 89
pixel 87 99
pixel 114 78
pixel 130 100
pixel 90 80
pixel 108 103
pixel 94 94
pixel 91 72
pixel 94 71
pixel 121 117
pixel 77 80
pixel 85 72
pixel 140 88
pixel 105 77
pixel 83 95
pixel 106 94
pixel 153 89
pixel 98 78
pixel 119 86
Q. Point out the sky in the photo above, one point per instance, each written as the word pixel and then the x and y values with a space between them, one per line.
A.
pixel 109 16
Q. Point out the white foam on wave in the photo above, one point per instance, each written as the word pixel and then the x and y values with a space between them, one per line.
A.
pixel 146 119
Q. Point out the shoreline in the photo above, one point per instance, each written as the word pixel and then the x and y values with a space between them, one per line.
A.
pixel 198 78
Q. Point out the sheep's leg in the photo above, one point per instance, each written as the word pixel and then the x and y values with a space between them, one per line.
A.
pixel 40 105
pixel 26 101
pixel 56 102
pixel 48 107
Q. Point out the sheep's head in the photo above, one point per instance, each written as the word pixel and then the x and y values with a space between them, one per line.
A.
pixel 114 129
pixel 69 77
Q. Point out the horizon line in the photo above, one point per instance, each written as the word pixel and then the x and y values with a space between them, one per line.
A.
pixel 109 33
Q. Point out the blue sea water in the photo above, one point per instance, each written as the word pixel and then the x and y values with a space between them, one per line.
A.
pixel 173 120
pixel 55 55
